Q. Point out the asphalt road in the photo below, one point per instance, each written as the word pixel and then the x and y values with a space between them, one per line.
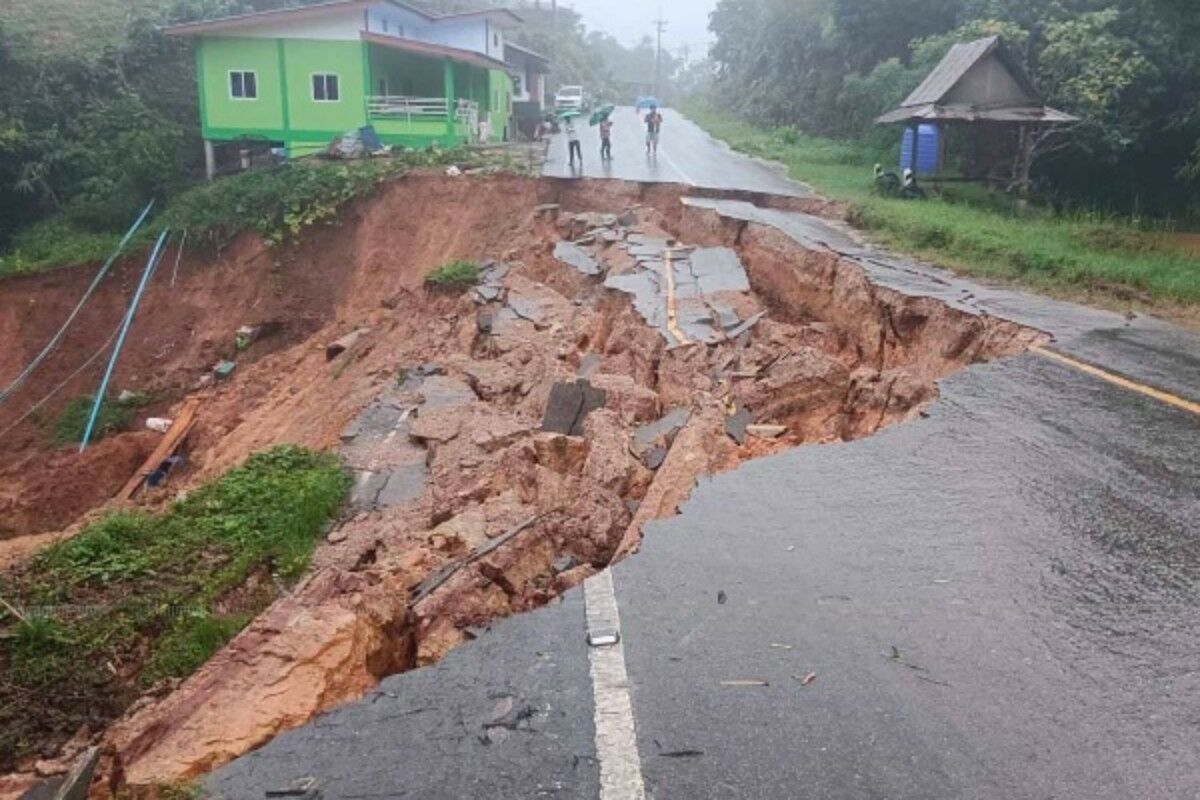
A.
pixel 999 601
pixel 686 154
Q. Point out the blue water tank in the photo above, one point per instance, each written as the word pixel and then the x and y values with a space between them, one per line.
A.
pixel 929 148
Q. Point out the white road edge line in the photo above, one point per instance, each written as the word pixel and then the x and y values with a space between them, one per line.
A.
pixel 671 163
pixel 616 736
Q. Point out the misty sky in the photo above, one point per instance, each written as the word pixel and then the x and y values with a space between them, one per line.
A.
pixel 629 20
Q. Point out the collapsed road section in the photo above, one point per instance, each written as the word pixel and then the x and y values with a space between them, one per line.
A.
pixel 510 439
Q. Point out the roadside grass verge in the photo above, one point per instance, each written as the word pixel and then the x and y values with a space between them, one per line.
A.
pixel 1090 256
pixel 139 597
pixel 279 202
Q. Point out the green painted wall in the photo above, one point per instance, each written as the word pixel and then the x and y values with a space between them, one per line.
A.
pixel 215 58
pixel 344 59
pixel 285 110
pixel 500 99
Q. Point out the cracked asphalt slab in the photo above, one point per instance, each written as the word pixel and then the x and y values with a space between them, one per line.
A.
pixel 507 717
pixel 999 600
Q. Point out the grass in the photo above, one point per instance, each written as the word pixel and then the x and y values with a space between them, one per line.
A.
pixel 70 423
pixel 139 597
pixel 453 277
pixel 1082 255
pixel 278 202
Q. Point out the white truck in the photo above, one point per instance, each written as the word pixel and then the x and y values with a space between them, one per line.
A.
pixel 569 98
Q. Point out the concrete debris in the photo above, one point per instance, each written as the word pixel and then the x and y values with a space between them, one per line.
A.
pixel 546 208
pixel 159 424
pixel 737 421
pixel 650 443
pixel 766 431
pixel 347 342
pixel 75 786
pixel 572 254
pixel 589 364
pixel 569 405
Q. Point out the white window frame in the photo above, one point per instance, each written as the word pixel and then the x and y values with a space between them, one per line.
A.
pixel 243 73
pixel 326 75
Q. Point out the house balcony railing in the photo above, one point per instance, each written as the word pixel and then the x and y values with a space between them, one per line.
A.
pixel 410 108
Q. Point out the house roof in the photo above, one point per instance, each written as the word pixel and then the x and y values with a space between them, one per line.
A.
pixel 961 89
pixel 217 24
pixel 436 50
pixel 501 16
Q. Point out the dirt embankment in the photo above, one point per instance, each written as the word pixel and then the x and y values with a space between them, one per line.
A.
pixel 449 397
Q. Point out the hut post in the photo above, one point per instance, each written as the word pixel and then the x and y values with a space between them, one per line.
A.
pixel 1024 166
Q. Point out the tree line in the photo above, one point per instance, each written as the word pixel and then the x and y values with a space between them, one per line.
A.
pixel 1130 69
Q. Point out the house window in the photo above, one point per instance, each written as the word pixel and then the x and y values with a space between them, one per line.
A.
pixel 243 85
pixel 385 25
pixel 516 79
pixel 495 40
pixel 325 88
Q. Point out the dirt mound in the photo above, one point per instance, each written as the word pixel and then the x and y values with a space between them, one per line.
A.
pixel 509 442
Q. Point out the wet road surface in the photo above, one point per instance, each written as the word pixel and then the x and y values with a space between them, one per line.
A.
pixel 1000 600
pixel 686 154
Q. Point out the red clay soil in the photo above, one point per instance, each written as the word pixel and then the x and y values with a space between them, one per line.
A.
pixel 836 359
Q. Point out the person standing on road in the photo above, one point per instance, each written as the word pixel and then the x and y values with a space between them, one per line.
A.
pixel 606 139
pixel 574 146
pixel 653 128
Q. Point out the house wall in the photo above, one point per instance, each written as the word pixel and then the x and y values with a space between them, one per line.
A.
pixel 500 102
pixel 223 117
pixel 347 60
pixel 465 34
pixel 398 22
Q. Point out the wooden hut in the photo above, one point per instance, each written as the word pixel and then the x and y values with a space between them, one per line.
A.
pixel 980 83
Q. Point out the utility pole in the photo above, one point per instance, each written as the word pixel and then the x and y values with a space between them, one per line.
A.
pixel 660 25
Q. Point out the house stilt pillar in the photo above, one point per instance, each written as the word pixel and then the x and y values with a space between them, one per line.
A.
pixel 210 159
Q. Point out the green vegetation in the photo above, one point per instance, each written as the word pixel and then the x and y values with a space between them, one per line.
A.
pixel 71 422
pixel 278 202
pixel 1126 68
pixel 138 597
pixel 968 230
pixel 454 277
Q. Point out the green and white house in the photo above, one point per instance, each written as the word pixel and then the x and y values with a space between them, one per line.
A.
pixel 299 77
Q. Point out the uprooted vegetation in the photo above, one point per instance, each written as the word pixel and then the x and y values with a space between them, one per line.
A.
pixel 512 438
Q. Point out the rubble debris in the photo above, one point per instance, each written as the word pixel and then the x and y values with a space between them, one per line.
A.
pixel 246 336
pixel 347 342
pixel 651 442
pixel 223 370
pixel 589 364
pixel 546 208
pixel 158 424
pixel 806 679
pixel 571 254
pixel 568 407
pixel 75 786
pixel 746 683
pixel 737 421
pixel 439 578
pixel 766 431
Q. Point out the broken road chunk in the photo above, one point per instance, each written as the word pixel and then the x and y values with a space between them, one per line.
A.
pixel 569 405
pixel 347 342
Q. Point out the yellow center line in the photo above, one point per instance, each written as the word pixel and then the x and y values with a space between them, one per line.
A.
pixel 1117 380
pixel 672 309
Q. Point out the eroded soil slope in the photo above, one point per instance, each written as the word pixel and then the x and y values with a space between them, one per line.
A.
pixel 508 441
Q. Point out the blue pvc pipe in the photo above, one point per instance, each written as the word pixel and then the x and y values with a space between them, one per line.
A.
pixel 155 255
pixel 12 387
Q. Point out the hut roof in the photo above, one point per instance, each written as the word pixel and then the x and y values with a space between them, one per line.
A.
pixel 977 81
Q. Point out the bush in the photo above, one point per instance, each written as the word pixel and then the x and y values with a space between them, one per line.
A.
pixel 453 277
pixel 71 422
